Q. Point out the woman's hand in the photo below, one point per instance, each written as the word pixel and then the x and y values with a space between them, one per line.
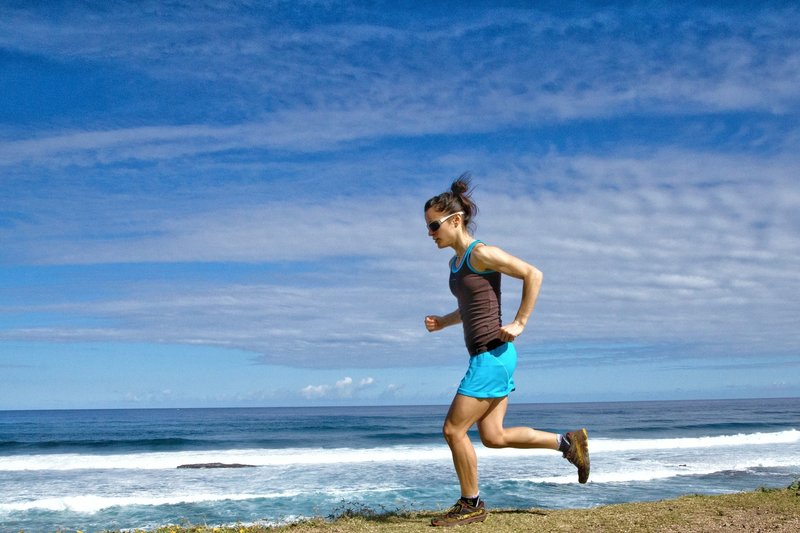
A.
pixel 433 323
pixel 511 331
pixel 493 258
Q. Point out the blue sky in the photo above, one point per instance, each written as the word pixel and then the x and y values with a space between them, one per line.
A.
pixel 221 204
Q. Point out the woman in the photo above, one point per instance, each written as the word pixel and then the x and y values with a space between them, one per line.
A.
pixel 482 397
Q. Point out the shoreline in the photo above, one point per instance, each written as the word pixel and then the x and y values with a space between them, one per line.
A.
pixel 775 510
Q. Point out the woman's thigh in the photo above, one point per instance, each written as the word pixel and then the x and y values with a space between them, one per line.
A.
pixel 490 426
pixel 465 411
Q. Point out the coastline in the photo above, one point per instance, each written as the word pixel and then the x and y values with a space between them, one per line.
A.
pixel 120 473
pixel 775 510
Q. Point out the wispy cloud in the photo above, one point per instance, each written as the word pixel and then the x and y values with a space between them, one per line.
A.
pixel 665 246
pixel 644 158
pixel 315 88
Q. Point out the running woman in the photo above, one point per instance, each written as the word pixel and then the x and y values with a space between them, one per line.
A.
pixel 482 397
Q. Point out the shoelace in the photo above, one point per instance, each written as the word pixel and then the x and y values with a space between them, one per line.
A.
pixel 456 509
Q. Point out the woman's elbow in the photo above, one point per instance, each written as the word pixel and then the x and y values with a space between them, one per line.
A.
pixel 536 275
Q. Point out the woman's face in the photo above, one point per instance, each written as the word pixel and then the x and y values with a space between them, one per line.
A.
pixel 447 229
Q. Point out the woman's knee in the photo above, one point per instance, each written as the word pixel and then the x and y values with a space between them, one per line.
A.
pixel 452 432
pixel 493 439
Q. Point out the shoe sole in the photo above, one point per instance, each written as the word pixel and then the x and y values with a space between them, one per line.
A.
pixel 582 444
pixel 470 520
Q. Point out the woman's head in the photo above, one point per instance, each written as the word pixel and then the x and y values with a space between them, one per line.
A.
pixel 457 199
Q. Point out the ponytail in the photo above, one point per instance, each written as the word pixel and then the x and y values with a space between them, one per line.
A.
pixel 459 198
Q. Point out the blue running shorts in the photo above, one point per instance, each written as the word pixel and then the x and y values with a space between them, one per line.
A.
pixel 490 374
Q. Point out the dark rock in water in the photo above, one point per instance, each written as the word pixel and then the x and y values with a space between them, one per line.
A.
pixel 217 465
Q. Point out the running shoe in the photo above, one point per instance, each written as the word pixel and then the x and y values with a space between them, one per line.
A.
pixel 578 453
pixel 461 513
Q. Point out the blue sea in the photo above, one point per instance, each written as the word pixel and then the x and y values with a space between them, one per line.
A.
pixel 118 469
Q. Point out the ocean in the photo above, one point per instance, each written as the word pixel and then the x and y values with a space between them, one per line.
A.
pixel 91 470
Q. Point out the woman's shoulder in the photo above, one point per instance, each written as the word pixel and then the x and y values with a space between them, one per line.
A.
pixel 488 257
pixel 482 250
pixel 481 258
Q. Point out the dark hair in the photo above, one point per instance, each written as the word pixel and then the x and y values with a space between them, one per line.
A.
pixel 458 198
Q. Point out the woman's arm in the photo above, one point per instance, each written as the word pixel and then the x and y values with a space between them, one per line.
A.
pixel 435 323
pixel 493 258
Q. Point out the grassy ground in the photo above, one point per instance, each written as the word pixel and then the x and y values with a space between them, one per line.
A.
pixel 762 510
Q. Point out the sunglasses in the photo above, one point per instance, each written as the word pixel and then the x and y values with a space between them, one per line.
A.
pixel 436 224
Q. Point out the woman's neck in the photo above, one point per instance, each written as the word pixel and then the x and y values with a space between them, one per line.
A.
pixel 462 243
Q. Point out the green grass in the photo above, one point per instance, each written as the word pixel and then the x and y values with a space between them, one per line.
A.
pixel 774 510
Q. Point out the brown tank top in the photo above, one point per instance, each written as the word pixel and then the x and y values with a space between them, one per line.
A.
pixel 478 295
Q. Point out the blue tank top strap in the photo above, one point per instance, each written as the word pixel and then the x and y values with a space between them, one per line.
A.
pixel 471 246
pixel 455 267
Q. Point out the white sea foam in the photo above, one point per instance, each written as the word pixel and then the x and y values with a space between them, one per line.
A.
pixel 386 454
pixel 256 457
pixel 308 478
pixel 617 470
pixel 655 472
pixel 89 504
pixel 742 439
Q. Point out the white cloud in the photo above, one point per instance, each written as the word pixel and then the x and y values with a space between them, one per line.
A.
pixel 345 388
pixel 321 182
pixel 667 246
pixel 404 77
pixel 313 392
pixel 150 397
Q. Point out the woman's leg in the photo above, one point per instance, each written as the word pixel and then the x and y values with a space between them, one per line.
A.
pixel 494 435
pixel 464 412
